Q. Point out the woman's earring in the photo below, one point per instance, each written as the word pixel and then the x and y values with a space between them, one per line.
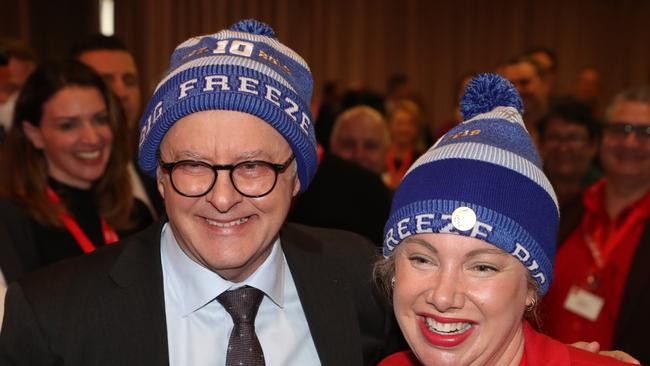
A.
pixel 531 306
pixel 392 282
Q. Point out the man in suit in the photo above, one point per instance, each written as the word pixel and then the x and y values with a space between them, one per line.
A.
pixel 110 58
pixel 228 135
pixel 602 283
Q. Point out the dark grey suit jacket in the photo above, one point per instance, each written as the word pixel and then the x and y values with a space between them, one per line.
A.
pixel 107 308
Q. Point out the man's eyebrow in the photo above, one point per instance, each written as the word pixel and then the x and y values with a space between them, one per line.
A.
pixel 192 155
pixel 249 154
pixel 187 154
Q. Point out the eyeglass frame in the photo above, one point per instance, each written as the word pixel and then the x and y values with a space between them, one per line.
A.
pixel 277 170
pixel 570 139
pixel 622 129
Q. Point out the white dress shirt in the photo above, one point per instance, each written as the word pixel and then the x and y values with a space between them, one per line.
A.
pixel 3 290
pixel 198 327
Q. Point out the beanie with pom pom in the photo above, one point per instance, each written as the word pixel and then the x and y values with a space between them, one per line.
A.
pixel 243 69
pixel 482 179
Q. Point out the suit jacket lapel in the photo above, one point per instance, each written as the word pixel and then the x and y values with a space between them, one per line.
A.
pixel 330 313
pixel 636 284
pixel 138 302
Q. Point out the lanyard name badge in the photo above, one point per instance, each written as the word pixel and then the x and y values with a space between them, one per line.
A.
pixel 582 300
pixel 109 234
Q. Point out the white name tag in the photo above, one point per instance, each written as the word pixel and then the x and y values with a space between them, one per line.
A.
pixel 584 303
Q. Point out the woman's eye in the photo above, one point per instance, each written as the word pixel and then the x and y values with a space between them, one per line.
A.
pixel 485 268
pixel 419 260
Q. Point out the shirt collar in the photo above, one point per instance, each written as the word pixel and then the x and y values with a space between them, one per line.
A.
pixel 194 286
pixel 594 201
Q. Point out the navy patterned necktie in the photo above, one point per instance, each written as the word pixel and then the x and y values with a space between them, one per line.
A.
pixel 243 347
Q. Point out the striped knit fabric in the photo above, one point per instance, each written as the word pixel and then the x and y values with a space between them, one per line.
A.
pixel 483 179
pixel 242 69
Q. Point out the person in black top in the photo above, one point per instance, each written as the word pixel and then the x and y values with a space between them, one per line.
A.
pixel 113 61
pixel 344 196
pixel 64 182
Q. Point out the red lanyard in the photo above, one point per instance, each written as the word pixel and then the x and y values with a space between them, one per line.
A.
pixel 395 174
pixel 602 246
pixel 110 236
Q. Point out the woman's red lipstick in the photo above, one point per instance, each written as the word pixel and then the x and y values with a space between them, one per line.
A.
pixel 443 340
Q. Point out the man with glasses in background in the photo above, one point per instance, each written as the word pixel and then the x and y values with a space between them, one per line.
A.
pixel 224 280
pixel 602 284
pixel 568 142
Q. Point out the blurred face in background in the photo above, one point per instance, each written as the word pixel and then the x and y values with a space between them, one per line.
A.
pixel 363 139
pixel 404 128
pixel 567 149
pixel 75 135
pixel 460 300
pixel 587 85
pixel 13 77
pixel 546 62
pixel 118 69
pixel 532 89
pixel 625 147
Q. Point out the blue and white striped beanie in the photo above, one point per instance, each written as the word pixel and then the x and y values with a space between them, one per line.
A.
pixel 482 179
pixel 243 69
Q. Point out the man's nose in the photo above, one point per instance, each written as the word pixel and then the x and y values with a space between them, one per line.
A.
pixel 223 195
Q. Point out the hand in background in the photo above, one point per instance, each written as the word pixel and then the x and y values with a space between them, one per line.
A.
pixel 594 347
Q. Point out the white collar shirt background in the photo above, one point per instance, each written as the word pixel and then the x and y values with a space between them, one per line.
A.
pixel 198 327
pixel 7 111
pixel 3 292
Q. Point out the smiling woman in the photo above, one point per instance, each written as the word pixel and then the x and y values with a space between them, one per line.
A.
pixel 470 242
pixel 64 184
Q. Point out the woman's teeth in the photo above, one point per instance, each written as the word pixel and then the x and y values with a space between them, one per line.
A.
pixel 89 155
pixel 227 224
pixel 447 328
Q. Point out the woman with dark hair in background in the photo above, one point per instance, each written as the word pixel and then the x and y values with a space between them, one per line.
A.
pixel 64 184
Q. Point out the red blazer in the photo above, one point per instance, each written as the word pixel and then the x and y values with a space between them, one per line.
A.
pixel 539 350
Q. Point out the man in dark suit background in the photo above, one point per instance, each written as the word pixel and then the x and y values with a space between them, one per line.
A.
pixel 229 136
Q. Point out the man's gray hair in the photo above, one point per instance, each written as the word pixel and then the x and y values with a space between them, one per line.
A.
pixel 639 94
pixel 358 112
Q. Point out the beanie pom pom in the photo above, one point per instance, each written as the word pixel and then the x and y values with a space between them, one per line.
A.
pixel 254 27
pixel 486 92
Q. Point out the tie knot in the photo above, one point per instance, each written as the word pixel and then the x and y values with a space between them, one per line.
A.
pixel 242 304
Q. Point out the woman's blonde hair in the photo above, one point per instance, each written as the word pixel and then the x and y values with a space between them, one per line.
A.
pixel 411 108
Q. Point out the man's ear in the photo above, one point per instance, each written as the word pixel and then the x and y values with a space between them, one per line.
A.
pixel 33 134
pixel 296 186
pixel 159 181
